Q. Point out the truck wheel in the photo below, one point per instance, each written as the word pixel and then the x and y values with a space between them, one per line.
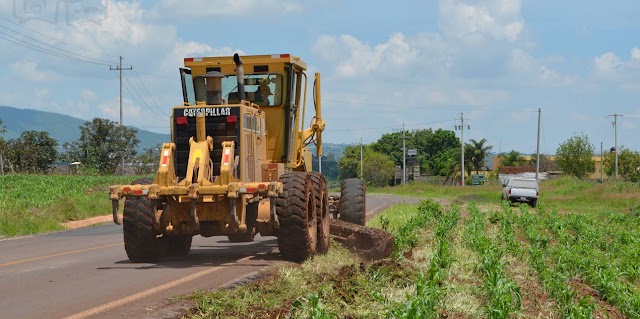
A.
pixel 533 203
pixel 249 235
pixel 298 233
pixel 352 201
pixel 322 211
pixel 178 246
pixel 140 241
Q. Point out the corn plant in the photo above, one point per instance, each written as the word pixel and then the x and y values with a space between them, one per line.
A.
pixel 504 294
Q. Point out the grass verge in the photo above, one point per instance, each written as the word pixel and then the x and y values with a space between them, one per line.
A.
pixel 32 204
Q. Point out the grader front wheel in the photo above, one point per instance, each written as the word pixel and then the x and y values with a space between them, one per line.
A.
pixel 322 211
pixel 140 241
pixel 295 207
pixel 352 201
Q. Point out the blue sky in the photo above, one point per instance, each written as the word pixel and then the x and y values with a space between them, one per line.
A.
pixel 383 63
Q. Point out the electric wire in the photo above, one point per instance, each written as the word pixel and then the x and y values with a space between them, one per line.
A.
pixel 44 50
pixel 54 39
pixel 136 100
pixel 144 103
pixel 395 106
pixel 387 127
pixel 144 87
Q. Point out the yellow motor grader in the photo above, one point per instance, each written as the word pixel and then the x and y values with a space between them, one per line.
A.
pixel 237 165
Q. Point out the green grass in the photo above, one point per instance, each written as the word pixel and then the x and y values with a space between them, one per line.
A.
pixel 32 204
pixel 565 194
pixel 450 261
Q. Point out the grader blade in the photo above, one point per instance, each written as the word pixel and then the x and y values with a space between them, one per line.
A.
pixel 368 243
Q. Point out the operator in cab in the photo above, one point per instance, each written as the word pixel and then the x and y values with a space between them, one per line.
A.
pixel 261 95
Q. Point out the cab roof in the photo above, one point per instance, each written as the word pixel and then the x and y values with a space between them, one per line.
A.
pixel 246 59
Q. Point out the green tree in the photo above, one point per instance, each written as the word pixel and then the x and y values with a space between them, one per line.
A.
pixel 147 162
pixel 3 129
pixel 102 145
pixel 479 154
pixel 574 157
pixel 432 147
pixel 628 164
pixel 378 168
pixel 390 144
pixel 512 158
pixel 546 164
pixel 32 152
pixel 452 167
pixel 349 163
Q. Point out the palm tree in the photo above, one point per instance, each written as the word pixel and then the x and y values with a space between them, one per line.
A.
pixel 479 152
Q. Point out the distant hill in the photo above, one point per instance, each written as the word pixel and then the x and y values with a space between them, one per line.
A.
pixel 64 128
pixel 60 127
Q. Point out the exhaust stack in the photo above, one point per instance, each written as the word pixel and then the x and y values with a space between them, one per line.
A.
pixel 239 75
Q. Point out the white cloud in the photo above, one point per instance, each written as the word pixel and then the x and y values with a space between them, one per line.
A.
pixel 635 54
pixel 607 65
pixel 225 8
pixel 29 70
pixel 353 57
pixel 499 19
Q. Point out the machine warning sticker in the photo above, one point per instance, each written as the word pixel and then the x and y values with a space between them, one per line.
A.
pixel 208 111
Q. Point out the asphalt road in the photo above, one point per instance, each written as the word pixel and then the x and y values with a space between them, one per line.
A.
pixel 85 273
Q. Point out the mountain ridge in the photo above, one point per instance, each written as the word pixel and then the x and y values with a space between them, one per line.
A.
pixel 63 128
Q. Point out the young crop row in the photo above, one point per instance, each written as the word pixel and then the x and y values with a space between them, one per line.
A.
pixel 504 297
pixel 429 292
pixel 552 280
pixel 579 252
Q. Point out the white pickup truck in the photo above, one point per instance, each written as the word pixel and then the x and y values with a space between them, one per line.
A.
pixel 521 190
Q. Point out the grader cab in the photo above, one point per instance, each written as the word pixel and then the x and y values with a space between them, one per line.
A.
pixel 237 165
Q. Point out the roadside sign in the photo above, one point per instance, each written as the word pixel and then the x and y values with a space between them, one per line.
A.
pixel 477 179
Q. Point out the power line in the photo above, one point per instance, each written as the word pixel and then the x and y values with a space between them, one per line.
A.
pixel 144 103
pixel 385 127
pixel 47 48
pixel 26 44
pixel 145 109
pixel 395 106
pixel 54 39
pixel 147 91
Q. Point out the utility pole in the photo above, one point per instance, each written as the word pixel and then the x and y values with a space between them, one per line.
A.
pixel 404 157
pixel 461 127
pixel 119 68
pixel 538 148
pixel 615 127
pixel 601 164
pixel 361 160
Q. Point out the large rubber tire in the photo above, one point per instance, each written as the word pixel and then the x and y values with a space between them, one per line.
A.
pixel 352 201
pixel 249 235
pixel 140 241
pixel 322 211
pixel 295 207
pixel 178 246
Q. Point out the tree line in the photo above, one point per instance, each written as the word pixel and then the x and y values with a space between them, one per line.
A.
pixel 102 145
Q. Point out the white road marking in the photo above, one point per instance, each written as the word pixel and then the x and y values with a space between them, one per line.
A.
pixel 146 293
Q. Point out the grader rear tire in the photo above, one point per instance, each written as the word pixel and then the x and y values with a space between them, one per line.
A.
pixel 352 201
pixel 140 241
pixel 249 235
pixel 322 211
pixel 295 207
